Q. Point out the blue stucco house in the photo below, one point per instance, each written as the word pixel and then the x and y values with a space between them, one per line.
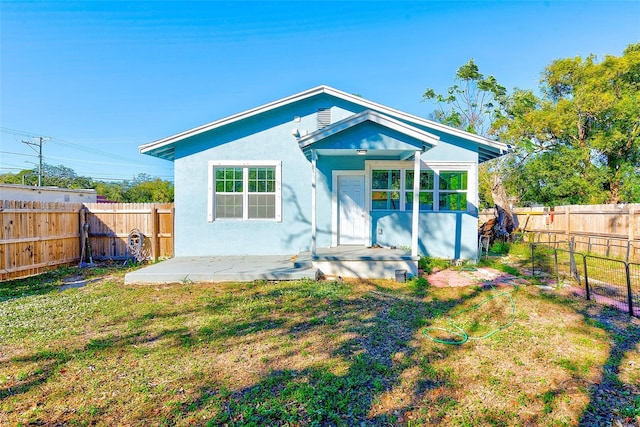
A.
pixel 325 169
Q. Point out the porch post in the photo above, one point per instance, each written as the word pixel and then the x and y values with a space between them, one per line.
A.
pixel 416 204
pixel 314 158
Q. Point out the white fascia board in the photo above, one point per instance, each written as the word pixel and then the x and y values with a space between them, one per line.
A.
pixel 230 119
pixel 372 116
pixel 415 119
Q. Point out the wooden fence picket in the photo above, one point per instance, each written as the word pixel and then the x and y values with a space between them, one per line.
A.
pixel 38 236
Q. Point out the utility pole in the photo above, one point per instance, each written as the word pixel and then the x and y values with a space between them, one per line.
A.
pixel 38 144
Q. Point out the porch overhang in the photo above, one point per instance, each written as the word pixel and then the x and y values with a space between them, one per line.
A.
pixel 370 134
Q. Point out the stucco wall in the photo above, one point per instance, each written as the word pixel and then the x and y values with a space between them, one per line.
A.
pixel 451 235
pixel 270 137
pixel 267 139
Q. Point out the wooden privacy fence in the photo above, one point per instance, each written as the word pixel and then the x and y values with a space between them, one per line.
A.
pixel 611 230
pixel 38 236
pixel 111 223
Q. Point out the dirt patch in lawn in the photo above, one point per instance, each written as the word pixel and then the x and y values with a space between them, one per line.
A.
pixel 473 276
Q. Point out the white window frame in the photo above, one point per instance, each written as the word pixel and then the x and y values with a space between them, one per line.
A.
pixel 400 190
pixel 436 167
pixel 439 192
pixel 245 164
pixel 406 190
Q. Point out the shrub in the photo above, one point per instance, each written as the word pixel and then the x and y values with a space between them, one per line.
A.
pixel 428 263
pixel 501 248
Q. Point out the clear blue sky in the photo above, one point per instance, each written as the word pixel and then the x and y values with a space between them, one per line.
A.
pixel 101 77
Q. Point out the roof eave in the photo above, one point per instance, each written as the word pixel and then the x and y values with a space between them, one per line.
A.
pixel 416 119
pixel 152 147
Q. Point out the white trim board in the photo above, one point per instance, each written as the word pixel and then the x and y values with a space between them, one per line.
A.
pixel 212 164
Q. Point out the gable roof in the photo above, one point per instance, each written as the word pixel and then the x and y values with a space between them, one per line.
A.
pixel 425 139
pixel 164 148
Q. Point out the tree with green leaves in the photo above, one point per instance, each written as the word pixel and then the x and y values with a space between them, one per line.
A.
pixel 64 177
pixel 472 104
pixel 53 176
pixel 579 142
pixel 143 188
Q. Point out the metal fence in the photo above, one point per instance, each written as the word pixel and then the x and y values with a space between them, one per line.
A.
pixel 604 280
pixel 612 231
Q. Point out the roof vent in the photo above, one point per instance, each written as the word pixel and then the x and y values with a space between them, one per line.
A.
pixel 324 117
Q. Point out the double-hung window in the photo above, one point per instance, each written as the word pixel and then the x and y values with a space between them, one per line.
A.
pixel 392 189
pixel 245 190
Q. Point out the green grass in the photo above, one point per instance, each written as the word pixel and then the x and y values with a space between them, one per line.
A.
pixel 306 353
pixel 500 248
pixel 38 285
pixel 499 264
pixel 428 264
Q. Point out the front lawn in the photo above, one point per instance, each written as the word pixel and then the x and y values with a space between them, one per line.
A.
pixel 310 353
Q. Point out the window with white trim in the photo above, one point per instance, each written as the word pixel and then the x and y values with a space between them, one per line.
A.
pixel 392 189
pixel 452 191
pixel 385 189
pixel 245 191
pixel 440 190
pixel 425 198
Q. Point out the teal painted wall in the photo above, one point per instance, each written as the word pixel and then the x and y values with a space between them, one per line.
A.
pixel 451 235
pixel 269 137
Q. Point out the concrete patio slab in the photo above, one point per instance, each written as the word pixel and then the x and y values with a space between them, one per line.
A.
pixel 223 269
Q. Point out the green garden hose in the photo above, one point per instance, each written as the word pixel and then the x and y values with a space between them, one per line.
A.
pixel 457 331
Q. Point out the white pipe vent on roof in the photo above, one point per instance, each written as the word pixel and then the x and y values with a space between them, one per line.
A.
pixel 324 117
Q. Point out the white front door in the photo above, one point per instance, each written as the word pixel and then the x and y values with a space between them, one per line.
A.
pixel 351 210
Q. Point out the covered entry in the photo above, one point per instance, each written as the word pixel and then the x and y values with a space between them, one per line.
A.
pixel 368 135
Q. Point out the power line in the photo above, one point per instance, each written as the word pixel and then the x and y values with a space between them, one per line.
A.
pixel 18 154
pixel 17 132
pixel 13 167
pixel 84 148
pixel 90 150
pixel 61 141
pixel 94 161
